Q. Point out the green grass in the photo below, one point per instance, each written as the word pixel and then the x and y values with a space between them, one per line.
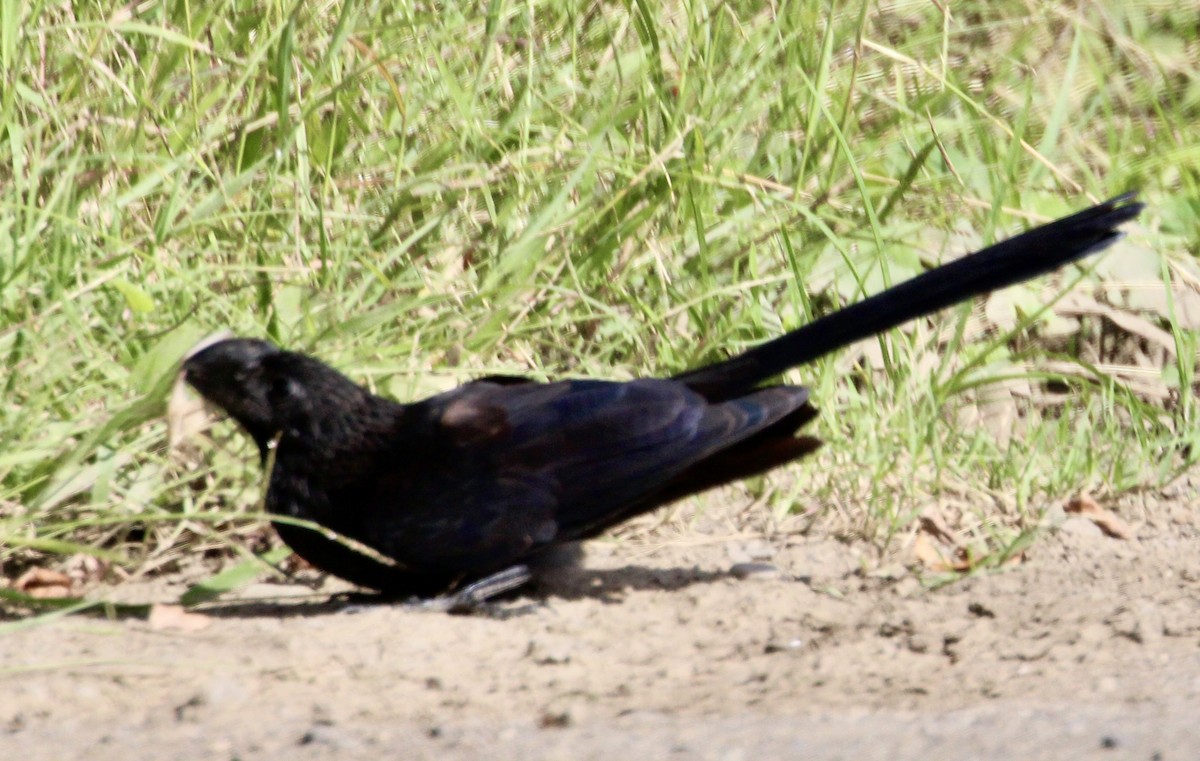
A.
pixel 421 194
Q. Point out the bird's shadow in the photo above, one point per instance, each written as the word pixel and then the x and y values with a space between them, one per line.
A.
pixel 607 586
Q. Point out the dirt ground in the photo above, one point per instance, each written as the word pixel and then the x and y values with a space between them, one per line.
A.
pixel 698 646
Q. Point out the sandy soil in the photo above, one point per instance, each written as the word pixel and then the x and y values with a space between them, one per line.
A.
pixel 1090 649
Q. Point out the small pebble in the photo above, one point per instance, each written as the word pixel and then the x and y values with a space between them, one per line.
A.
pixel 755 571
pixel 980 610
pixel 783 645
pixel 919 643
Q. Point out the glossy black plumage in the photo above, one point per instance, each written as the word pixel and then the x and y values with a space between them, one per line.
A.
pixel 487 476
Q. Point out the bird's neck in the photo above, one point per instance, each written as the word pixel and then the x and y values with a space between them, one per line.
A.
pixel 353 434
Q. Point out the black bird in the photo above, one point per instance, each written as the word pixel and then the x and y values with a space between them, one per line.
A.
pixel 474 484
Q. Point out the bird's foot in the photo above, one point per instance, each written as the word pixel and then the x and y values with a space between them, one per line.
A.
pixel 474 598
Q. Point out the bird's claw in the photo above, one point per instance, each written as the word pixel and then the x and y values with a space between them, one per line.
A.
pixel 473 598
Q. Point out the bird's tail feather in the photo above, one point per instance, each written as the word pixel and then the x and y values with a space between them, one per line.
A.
pixel 1027 255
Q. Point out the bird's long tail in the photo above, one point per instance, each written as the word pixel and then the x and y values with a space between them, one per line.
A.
pixel 1029 254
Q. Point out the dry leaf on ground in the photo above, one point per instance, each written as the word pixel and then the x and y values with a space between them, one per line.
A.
pixel 934 524
pixel 44 584
pixel 1077 304
pixel 942 549
pixel 1107 521
pixel 939 558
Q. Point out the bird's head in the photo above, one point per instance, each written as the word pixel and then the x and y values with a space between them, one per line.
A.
pixel 267 390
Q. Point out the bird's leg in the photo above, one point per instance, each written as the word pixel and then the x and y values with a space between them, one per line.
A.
pixel 471 598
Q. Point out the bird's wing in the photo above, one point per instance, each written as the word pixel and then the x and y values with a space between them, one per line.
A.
pixel 505 469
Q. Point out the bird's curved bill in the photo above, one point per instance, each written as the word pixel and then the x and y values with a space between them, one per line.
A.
pixel 187 412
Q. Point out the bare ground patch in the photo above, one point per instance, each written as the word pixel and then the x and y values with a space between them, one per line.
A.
pixel 1089 649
